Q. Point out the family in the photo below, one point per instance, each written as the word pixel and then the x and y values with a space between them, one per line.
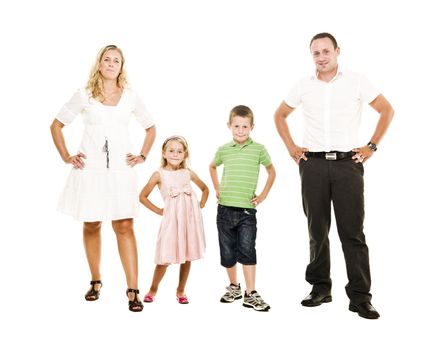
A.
pixel 102 184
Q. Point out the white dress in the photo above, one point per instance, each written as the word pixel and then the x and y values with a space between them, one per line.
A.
pixel 106 188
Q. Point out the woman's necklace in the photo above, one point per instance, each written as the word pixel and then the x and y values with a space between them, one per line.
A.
pixel 108 97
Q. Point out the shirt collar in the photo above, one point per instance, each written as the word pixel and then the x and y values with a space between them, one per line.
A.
pixel 339 73
pixel 248 142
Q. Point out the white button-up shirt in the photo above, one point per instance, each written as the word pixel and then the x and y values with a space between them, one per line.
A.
pixel 332 110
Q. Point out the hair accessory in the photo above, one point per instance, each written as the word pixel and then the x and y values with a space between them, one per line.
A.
pixel 176 137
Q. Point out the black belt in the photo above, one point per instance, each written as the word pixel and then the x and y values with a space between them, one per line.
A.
pixel 333 155
pixel 235 208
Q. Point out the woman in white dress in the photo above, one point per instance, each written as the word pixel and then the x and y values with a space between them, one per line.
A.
pixel 102 184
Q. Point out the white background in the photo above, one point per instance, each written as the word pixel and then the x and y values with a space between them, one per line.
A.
pixel 192 61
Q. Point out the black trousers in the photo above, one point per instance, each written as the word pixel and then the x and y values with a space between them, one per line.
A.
pixel 340 182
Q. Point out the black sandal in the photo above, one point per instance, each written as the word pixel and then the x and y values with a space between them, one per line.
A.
pixel 134 305
pixel 92 294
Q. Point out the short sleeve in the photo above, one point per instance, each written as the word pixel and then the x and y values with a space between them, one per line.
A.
pixel 73 107
pixel 367 92
pixel 293 98
pixel 140 112
pixel 218 158
pixel 264 157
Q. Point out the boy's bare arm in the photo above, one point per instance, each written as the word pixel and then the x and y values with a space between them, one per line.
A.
pixel 214 178
pixel 271 176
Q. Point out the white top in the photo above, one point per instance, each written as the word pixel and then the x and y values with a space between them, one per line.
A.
pixel 103 122
pixel 332 110
pixel 82 100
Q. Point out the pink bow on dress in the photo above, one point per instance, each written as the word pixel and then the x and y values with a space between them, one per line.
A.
pixel 174 191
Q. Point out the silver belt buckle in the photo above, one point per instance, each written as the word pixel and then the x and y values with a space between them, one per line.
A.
pixel 330 156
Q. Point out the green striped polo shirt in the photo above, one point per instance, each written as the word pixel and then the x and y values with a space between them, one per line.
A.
pixel 241 172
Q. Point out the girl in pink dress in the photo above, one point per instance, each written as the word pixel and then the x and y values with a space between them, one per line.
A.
pixel 181 235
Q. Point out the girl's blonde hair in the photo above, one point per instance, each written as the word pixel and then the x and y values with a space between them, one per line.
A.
pixel 183 142
pixel 95 82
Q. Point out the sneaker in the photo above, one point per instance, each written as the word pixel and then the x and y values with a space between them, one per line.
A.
pixel 254 300
pixel 233 293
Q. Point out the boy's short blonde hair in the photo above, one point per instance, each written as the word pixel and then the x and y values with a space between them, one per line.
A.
pixel 241 111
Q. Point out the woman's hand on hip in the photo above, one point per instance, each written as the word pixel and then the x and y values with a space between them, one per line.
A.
pixel 76 160
pixel 132 160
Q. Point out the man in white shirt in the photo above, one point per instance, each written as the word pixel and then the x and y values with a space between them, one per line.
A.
pixel 331 168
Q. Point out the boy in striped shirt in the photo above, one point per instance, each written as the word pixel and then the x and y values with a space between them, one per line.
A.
pixel 236 213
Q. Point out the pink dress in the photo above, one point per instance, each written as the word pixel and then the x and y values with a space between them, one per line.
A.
pixel 181 235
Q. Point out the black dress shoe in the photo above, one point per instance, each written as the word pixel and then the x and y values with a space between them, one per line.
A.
pixel 365 310
pixel 316 299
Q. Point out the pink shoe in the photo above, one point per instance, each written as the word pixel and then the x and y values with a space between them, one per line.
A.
pixel 148 298
pixel 182 300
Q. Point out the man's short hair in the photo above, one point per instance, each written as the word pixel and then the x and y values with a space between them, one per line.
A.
pixel 325 35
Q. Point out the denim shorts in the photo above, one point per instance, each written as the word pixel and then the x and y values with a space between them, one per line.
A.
pixel 237 235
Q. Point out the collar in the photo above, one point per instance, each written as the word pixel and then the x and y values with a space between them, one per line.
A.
pixel 339 73
pixel 248 142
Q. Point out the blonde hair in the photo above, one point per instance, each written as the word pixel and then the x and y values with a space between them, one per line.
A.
pixel 241 111
pixel 95 82
pixel 183 142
